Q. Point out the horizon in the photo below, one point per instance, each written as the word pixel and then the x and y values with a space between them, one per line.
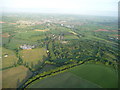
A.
pixel 74 7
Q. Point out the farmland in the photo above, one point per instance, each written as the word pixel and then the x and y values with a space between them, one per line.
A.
pixel 78 77
pixel 64 80
pixel 9 58
pixel 68 51
pixel 33 57
pixel 14 77
pixel 99 74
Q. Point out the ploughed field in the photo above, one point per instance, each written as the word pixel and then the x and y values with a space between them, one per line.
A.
pixel 83 76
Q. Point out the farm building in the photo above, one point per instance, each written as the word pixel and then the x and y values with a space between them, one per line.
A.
pixel 27 46
pixel 6 55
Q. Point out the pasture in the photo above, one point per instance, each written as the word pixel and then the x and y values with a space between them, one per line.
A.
pixel 69 37
pixel 8 58
pixel 83 76
pixel 97 73
pixel 27 35
pixel 12 78
pixel 63 80
pixel 41 30
pixel 33 57
pixel 15 43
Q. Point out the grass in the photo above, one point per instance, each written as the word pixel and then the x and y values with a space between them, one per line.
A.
pixel 98 74
pixel 33 56
pixel 15 43
pixel 47 67
pixel 63 80
pixel 10 60
pixel 70 37
pixel 5 40
pixel 27 35
pixel 83 76
pixel 37 38
pixel 12 78
pixel 97 38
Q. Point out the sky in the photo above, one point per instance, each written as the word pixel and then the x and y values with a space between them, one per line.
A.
pixel 83 7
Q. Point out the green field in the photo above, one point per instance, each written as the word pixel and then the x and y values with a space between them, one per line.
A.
pixel 15 43
pixel 83 76
pixel 63 80
pixel 10 60
pixel 14 77
pixel 69 37
pixel 33 57
pixel 99 74
pixel 27 35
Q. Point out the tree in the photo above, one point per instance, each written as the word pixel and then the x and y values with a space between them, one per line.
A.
pixel 20 61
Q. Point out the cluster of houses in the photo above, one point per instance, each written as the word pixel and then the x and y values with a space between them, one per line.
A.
pixel 25 46
pixel 57 37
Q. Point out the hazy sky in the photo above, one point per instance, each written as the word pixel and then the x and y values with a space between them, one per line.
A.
pixel 89 7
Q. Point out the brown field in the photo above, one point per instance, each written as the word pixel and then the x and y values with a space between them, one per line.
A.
pixel 116 35
pixel 5 35
pixel 101 30
pixel 2 22
pixel 12 78
pixel 106 30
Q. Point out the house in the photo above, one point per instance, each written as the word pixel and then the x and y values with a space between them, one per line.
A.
pixel 27 46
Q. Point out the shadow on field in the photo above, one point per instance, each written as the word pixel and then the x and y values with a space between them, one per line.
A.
pixel 21 82
pixel 40 64
pixel 37 68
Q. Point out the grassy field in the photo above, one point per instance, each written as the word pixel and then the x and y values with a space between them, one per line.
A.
pixel 12 78
pixel 98 74
pixel 34 56
pixel 69 37
pixel 37 38
pixel 10 60
pixel 15 43
pixel 83 76
pixel 28 35
pixel 47 67
pixel 63 80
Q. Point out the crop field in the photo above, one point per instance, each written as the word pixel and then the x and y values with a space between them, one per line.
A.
pixel 98 74
pixel 8 58
pixel 41 30
pixel 33 56
pixel 27 35
pixel 83 76
pixel 37 38
pixel 64 80
pixel 12 78
pixel 15 43
pixel 5 35
pixel 69 37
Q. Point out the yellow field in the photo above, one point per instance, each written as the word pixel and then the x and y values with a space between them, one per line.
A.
pixel 33 56
pixel 12 78
pixel 8 60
